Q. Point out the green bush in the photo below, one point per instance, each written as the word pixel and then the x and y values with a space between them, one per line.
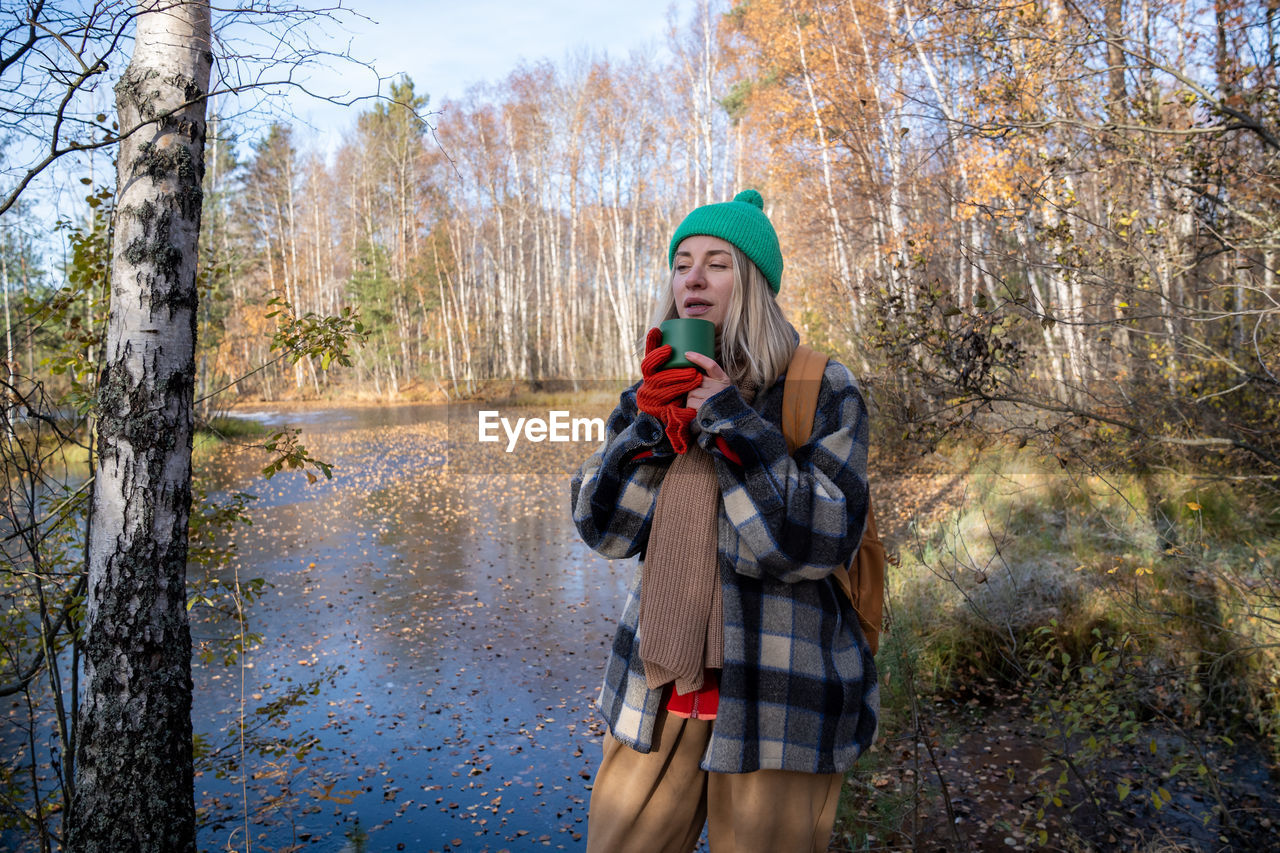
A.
pixel 1184 568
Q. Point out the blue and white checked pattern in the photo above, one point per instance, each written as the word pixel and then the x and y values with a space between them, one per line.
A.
pixel 799 687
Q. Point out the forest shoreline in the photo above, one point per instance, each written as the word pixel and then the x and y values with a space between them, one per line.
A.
pixel 507 392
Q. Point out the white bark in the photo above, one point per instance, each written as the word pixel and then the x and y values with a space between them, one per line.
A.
pixel 134 763
pixel 824 149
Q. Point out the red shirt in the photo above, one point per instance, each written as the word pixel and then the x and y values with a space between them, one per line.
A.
pixel 701 704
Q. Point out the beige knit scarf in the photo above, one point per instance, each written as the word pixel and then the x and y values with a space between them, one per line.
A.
pixel 681 622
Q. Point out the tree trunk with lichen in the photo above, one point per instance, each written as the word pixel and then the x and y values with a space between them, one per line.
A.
pixel 134 785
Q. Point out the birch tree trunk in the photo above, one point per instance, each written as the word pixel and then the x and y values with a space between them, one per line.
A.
pixel 134 789
pixel 833 212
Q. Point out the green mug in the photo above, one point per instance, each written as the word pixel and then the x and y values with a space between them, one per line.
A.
pixel 688 335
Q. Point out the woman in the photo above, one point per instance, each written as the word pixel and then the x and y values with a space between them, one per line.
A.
pixel 740 687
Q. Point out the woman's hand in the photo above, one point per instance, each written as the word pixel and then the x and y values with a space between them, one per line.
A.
pixel 662 392
pixel 662 389
pixel 714 380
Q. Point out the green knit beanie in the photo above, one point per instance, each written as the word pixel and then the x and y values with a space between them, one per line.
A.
pixel 741 222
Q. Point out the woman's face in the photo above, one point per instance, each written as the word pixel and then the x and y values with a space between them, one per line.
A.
pixel 703 280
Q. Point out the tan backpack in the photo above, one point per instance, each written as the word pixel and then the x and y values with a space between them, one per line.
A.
pixel 863 579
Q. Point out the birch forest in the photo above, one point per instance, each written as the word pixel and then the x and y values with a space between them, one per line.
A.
pixel 1064 206
pixel 1044 235
pixel 1100 179
pixel 1042 201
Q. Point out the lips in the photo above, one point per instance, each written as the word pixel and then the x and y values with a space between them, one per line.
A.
pixel 696 307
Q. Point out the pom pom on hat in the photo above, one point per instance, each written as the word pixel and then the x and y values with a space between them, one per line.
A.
pixel 741 222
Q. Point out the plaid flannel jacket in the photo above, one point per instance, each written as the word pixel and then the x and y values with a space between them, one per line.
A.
pixel 799 689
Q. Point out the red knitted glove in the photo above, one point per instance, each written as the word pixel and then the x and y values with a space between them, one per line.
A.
pixel 654 355
pixel 728 451
pixel 662 390
pixel 678 420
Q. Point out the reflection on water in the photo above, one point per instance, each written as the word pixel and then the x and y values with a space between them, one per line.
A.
pixel 471 625
pixel 339 418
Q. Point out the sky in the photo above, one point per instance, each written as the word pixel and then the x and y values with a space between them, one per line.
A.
pixel 445 46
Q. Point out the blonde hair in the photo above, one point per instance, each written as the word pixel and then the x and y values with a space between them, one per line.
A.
pixel 755 343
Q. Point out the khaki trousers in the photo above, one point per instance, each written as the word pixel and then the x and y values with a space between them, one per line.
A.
pixel 657 803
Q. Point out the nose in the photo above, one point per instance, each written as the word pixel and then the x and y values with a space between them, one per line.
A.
pixel 696 277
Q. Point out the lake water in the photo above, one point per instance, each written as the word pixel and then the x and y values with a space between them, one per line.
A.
pixel 437 594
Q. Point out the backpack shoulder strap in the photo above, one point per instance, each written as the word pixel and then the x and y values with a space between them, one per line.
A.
pixel 800 395
pixel 863 580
